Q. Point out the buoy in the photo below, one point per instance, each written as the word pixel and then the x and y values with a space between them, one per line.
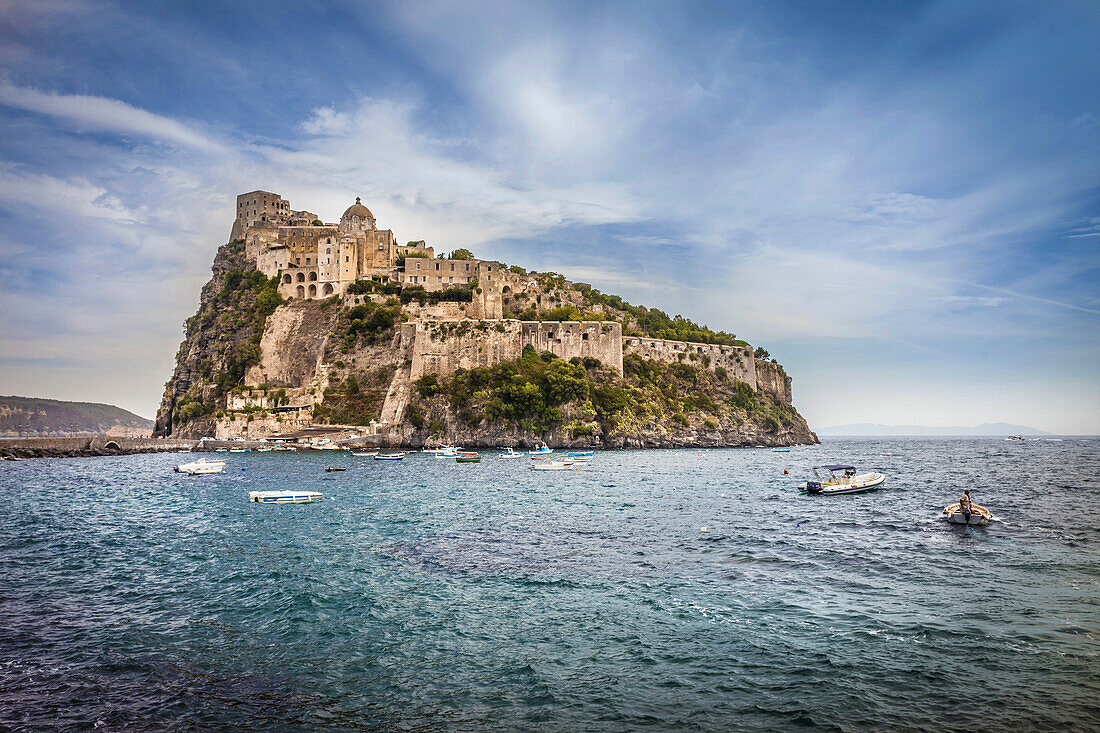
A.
pixel 785 472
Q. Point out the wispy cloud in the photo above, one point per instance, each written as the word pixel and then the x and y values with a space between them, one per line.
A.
pixel 103 114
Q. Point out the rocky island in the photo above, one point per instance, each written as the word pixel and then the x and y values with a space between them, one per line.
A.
pixel 308 328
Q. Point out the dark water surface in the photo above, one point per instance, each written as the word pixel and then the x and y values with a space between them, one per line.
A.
pixel 426 595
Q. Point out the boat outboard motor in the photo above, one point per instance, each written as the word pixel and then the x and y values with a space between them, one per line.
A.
pixel 813 487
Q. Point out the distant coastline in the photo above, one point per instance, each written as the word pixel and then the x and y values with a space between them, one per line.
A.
pixel 985 429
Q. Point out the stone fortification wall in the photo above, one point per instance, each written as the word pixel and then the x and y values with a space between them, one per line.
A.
pixel 736 360
pixel 601 340
pixel 257 425
pixel 770 377
pixel 442 347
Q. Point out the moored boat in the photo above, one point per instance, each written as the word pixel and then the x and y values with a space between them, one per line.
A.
pixel 285 497
pixel 553 465
pixel 201 466
pixel 542 450
pixel 365 453
pixel 848 482
pixel 335 468
pixel 581 456
pixel 509 453
pixel 390 456
pixel 978 515
pixel 468 458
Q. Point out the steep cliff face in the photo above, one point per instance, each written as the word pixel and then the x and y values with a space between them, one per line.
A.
pixel 405 373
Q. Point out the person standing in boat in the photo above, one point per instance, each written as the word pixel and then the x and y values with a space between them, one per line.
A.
pixel 964 504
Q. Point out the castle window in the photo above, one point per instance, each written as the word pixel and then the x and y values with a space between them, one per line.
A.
pixel 347 258
pixel 584 337
pixel 437 265
pixel 452 267
pixel 328 251
pixel 297 260
pixel 418 265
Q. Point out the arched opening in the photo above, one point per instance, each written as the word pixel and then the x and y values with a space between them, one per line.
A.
pixel 301 291
pixel 313 291
pixel 312 276
pixel 328 250
pixel 286 278
pixel 301 277
pixel 506 290
pixel 328 289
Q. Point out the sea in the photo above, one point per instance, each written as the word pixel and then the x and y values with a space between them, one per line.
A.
pixel 648 590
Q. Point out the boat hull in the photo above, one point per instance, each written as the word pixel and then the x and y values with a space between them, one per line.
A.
pixel 979 515
pixel 284 497
pixel 857 485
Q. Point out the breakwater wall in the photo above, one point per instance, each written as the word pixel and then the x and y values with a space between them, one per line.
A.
pixel 90 446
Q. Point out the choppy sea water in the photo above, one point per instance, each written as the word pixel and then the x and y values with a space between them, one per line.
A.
pixel 427 595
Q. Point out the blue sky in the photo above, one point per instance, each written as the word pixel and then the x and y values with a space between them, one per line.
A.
pixel 901 201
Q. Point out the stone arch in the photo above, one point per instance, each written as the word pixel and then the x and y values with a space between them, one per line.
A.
pixel 301 291
pixel 301 277
pixel 287 278
pixel 312 276
pixel 327 289
pixel 506 290
pixel 312 291
pixel 111 445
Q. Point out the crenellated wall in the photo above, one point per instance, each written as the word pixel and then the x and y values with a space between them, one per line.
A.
pixel 601 340
pixel 736 360
pixel 441 347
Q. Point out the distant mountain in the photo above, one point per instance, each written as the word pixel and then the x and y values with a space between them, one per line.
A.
pixel 989 428
pixel 37 417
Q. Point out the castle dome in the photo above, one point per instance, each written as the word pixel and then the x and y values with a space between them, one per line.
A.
pixel 357 209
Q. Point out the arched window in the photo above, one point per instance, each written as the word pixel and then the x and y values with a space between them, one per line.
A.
pixel 328 289
pixel 313 291
pixel 312 276
pixel 328 250
pixel 301 291
pixel 301 277
pixel 286 278
pixel 355 220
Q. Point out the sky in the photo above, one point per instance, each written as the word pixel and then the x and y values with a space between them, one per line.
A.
pixel 900 201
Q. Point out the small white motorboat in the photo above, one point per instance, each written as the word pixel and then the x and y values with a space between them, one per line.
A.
pixel 365 453
pixel 390 456
pixel 285 497
pixel 509 453
pixel 978 515
pixel 848 482
pixel 553 465
pixel 240 450
pixel 201 466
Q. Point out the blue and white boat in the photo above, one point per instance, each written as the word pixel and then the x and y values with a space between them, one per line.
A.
pixel 542 450
pixel 509 453
pixel 285 497
pixel 582 456
pixel 848 482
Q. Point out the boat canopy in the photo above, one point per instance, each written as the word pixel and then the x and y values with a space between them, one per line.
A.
pixel 836 467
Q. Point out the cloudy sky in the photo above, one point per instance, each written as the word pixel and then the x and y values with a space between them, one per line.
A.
pixel 900 200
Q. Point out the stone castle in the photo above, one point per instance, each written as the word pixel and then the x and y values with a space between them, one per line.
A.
pixel 318 260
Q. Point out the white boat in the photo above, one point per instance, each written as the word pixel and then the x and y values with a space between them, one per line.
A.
pixel 583 456
pixel 979 515
pixel 285 497
pixel 365 453
pixel 201 466
pixel 240 450
pixel 221 450
pixel 450 451
pixel 542 450
pixel 509 453
pixel 553 465
pixel 848 482
pixel 390 456
pixel 781 450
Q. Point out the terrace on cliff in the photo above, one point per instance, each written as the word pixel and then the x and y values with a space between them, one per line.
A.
pixel 306 323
